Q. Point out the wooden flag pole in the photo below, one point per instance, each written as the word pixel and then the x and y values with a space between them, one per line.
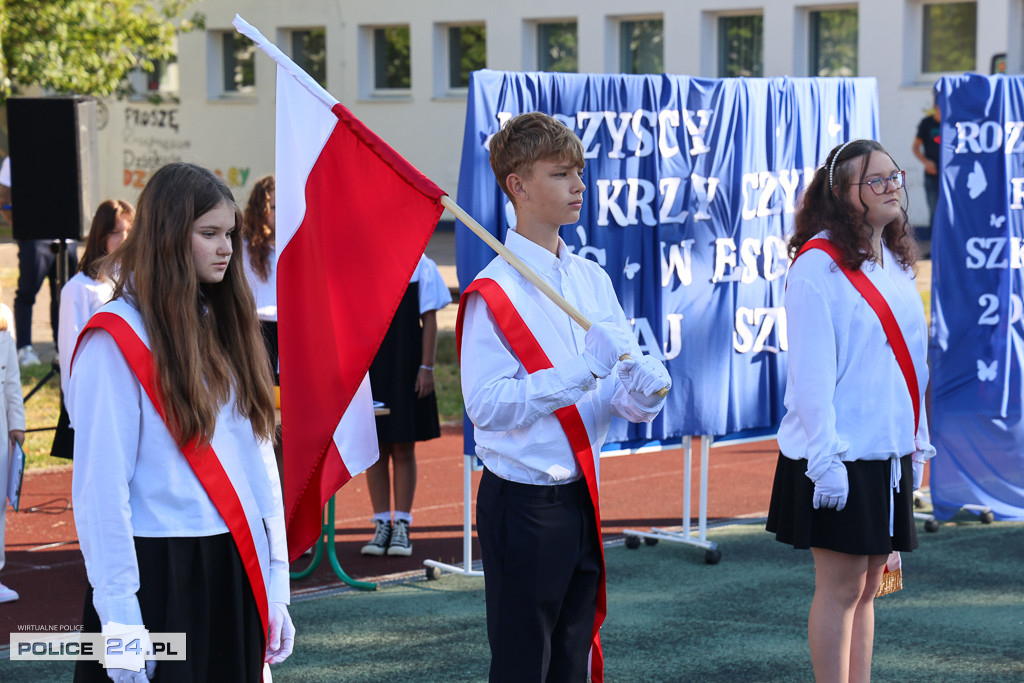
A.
pixel 523 269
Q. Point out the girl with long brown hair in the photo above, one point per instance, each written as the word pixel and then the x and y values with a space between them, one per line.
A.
pixel 854 439
pixel 258 233
pixel 83 295
pixel 176 492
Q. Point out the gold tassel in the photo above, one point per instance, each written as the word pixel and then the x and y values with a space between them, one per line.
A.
pixel 891 582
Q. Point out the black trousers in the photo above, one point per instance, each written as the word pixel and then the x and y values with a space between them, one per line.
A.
pixel 37 261
pixel 542 568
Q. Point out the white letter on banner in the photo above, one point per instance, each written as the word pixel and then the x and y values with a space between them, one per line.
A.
pixel 645 338
pixel 678 263
pixel 705 189
pixel 1013 138
pixel 645 138
pixel 725 255
pixel 749 250
pixel 751 180
pixel 789 180
pixel 975 255
pixel 667 117
pixel 642 201
pixel 967 134
pixel 1015 253
pixel 606 203
pixel 1017 193
pixel 593 121
pixel 742 337
pixel 669 189
pixel 696 131
pixel 674 345
pixel 618 134
pixel 768 185
pixel 770 271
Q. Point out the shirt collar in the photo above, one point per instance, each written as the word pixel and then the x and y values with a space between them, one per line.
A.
pixel 534 255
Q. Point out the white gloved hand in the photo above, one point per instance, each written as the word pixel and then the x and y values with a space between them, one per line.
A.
pixel 644 378
pixel 126 676
pixel 832 488
pixel 605 344
pixel 281 634
pixel 918 468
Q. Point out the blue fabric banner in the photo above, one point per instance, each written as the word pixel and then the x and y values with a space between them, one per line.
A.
pixel 691 187
pixel 977 338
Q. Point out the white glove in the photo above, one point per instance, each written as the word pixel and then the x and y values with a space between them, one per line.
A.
pixel 129 657
pixel 832 488
pixel 644 378
pixel 281 635
pixel 605 344
pixel 918 473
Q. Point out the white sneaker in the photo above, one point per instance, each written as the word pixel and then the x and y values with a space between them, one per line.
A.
pixel 7 594
pixel 27 356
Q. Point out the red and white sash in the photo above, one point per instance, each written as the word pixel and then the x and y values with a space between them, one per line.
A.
pixel 531 355
pixel 232 496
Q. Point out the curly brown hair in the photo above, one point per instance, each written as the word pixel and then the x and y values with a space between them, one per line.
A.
pixel 826 206
pixel 258 233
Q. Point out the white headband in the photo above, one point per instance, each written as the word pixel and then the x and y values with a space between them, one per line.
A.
pixel 832 166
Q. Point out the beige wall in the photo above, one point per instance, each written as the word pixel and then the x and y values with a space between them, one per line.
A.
pixel 236 136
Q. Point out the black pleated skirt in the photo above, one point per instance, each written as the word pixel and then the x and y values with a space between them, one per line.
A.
pixel 862 527
pixel 195 586
pixel 393 378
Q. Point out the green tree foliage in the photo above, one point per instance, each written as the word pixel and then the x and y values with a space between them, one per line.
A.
pixel 85 47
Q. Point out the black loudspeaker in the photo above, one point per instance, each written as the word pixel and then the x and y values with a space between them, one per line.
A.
pixel 54 166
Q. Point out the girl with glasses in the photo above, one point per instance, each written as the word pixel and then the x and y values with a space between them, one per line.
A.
pixel 854 440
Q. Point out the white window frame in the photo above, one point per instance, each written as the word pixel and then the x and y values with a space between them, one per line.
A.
pixel 168 80
pixel 531 41
pixel 285 37
pixel 614 55
pixel 368 68
pixel 215 69
pixel 713 28
pixel 914 42
pixel 443 89
pixel 802 36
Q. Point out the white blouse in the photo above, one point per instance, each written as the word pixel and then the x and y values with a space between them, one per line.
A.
pixel 80 297
pixel 845 393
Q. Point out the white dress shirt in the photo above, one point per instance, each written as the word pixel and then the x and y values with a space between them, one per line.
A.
pixel 845 393
pixel 80 297
pixel 265 292
pixel 433 292
pixel 517 435
pixel 131 478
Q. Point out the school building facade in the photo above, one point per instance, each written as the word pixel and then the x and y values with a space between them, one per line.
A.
pixel 402 67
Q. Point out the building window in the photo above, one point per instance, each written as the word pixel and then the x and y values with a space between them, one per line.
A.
pixel 392 66
pixel 741 46
pixel 239 63
pixel 309 51
pixel 642 46
pixel 556 47
pixel 833 43
pixel 949 37
pixel 467 51
pixel 152 84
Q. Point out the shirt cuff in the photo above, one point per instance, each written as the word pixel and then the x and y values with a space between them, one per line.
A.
pixel 279 590
pixel 576 374
pixel 120 610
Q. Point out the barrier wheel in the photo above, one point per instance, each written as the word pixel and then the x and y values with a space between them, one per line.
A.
pixel 931 525
pixel 712 556
pixel 632 542
pixel 650 541
pixel 433 573
pixel 987 517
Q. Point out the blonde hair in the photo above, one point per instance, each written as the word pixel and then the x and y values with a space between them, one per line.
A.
pixel 529 138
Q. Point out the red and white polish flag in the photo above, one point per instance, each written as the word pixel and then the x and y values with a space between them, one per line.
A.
pixel 353 218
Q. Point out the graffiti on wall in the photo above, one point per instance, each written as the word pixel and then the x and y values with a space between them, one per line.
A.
pixel 152 138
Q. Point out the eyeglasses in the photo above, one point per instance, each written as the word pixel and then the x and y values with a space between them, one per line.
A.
pixel 881 185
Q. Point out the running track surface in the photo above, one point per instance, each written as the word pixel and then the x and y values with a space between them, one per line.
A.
pixel 639 491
